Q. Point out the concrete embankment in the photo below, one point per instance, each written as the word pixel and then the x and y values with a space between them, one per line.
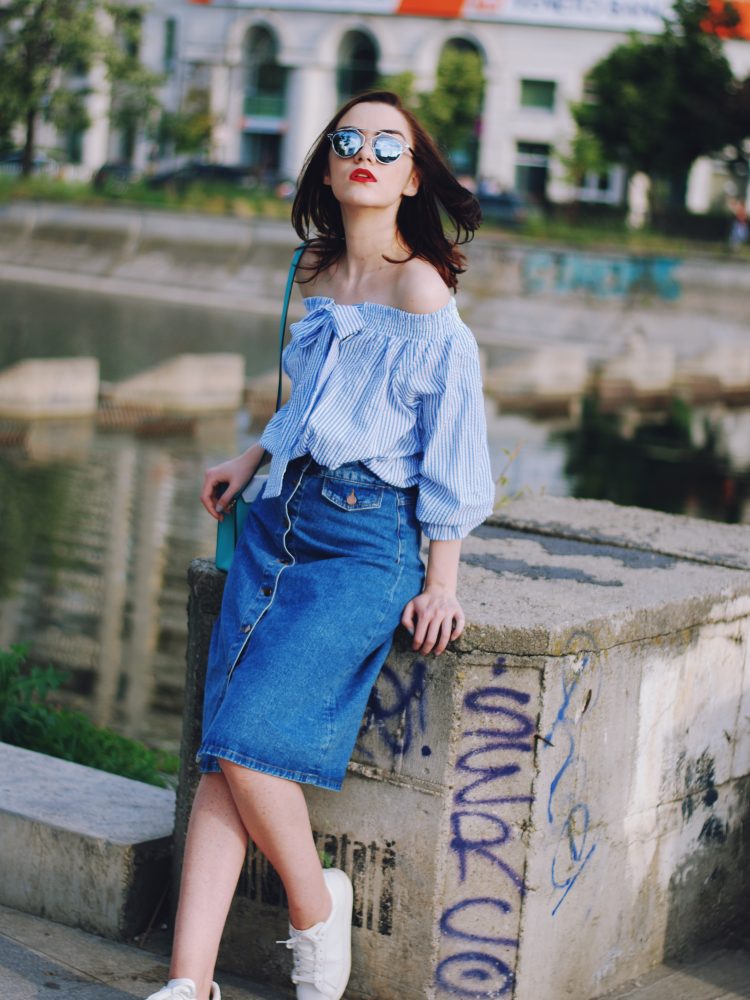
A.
pixel 556 805
pixel 552 322
pixel 561 801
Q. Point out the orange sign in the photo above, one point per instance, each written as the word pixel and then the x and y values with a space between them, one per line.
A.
pixel 431 8
pixel 742 28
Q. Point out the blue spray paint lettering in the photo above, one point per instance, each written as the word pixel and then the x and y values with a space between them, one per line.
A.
pixel 565 272
pixel 397 710
pixel 478 837
pixel 574 850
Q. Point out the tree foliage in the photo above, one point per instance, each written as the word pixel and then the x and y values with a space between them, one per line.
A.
pixel 45 43
pixel 451 110
pixel 189 129
pixel 655 104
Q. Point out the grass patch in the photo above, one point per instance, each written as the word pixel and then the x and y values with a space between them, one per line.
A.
pixel 205 198
pixel 30 720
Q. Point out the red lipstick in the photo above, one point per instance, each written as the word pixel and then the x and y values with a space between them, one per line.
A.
pixel 361 175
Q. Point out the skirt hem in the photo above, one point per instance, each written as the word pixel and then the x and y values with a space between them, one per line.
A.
pixel 302 777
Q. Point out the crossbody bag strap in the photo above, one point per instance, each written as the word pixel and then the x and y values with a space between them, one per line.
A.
pixel 285 309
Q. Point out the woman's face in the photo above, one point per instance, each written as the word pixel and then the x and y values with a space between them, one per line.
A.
pixel 360 180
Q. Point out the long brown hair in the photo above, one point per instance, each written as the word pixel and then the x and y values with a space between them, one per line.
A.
pixel 418 220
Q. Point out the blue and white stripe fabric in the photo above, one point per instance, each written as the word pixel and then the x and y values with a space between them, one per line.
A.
pixel 400 392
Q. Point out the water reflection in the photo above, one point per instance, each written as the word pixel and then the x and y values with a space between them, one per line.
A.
pixel 127 335
pixel 93 559
pixel 99 518
pixel 688 461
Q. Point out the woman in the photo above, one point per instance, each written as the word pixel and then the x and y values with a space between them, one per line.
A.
pixel 383 437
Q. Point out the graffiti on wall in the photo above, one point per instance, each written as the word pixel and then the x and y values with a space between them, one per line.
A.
pixel 397 712
pixel 372 868
pixel 567 814
pixel 484 927
pixel 564 272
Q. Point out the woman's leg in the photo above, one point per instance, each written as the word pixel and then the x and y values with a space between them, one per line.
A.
pixel 215 851
pixel 275 812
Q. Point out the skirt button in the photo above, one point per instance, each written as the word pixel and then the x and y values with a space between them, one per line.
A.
pixel 267 591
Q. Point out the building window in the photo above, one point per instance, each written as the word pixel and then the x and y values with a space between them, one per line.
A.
pixel 265 91
pixel 538 94
pixel 460 71
pixel 74 145
pixel 357 68
pixel 170 38
pixel 605 188
pixel 532 165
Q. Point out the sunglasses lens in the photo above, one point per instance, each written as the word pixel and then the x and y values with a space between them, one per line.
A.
pixel 387 148
pixel 346 142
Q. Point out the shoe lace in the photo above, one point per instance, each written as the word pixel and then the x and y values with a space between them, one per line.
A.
pixel 307 958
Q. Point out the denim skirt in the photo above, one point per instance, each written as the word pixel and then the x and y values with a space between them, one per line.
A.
pixel 317 586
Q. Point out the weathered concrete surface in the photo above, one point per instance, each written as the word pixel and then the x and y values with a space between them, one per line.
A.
pixel 50 387
pixel 81 846
pixel 38 956
pixel 560 801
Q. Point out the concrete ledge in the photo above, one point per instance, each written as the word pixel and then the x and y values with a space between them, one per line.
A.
pixel 603 522
pixel 81 846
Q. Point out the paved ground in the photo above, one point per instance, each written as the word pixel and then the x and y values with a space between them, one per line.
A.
pixel 718 973
pixel 37 956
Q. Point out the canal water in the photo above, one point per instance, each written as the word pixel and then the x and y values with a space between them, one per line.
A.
pixel 99 520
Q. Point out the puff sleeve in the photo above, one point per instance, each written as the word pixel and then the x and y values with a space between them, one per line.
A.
pixel 456 489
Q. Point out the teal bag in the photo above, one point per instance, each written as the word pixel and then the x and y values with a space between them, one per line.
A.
pixel 230 528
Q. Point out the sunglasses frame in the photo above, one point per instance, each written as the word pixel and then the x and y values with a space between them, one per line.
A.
pixel 405 147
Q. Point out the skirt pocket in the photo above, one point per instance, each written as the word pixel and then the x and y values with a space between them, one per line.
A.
pixel 351 496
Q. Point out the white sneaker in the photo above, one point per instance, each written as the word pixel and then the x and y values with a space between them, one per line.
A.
pixel 323 954
pixel 182 989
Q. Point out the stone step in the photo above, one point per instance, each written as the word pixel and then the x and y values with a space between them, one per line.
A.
pixel 50 387
pixel 186 383
pixel 81 846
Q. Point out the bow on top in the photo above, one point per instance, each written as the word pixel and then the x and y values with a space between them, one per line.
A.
pixel 331 322
pixel 342 321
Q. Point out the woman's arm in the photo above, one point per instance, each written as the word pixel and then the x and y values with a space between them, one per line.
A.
pixel 235 473
pixel 435 617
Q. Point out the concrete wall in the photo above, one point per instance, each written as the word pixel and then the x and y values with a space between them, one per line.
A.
pixel 81 846
pixel 562 799
pixel 515 296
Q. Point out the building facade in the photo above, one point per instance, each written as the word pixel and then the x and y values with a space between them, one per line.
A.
pixel 277 70
pixel 274 72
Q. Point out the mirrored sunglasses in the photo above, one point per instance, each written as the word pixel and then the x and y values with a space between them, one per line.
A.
pixel 387 148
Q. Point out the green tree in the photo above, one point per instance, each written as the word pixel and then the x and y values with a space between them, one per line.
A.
pixel 451 111
pixel 583 155
pixel 736 154
pixel 189 129
pixel 656 104
pixel 43 42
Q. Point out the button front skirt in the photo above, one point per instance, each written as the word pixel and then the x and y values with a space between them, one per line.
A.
pixel 316 590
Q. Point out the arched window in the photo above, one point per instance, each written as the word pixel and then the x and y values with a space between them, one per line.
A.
pixel 460 86
pixel 265 88
pixel 357 67
pixel 265 104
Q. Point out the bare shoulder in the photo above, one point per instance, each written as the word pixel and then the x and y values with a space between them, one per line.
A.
pixel 419 288
pixel 307 264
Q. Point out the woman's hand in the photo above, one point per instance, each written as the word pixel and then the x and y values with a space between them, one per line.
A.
pixel 232 476
pixel 434 618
